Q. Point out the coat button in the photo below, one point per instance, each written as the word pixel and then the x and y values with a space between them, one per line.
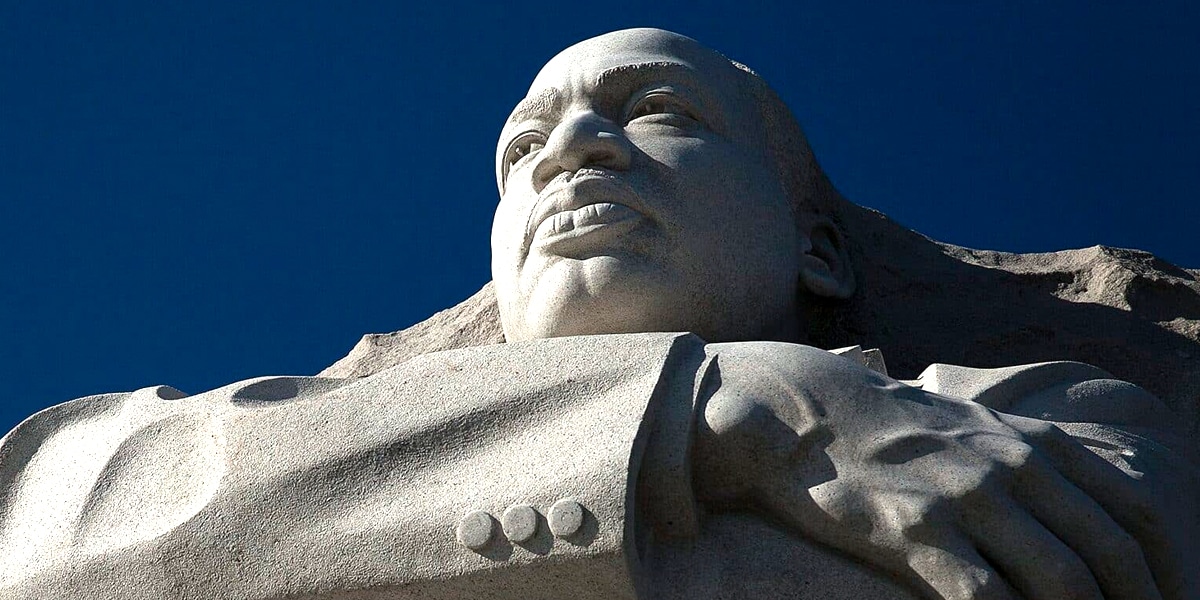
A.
pixel 520 523
pixel 475 530
pixel 566 517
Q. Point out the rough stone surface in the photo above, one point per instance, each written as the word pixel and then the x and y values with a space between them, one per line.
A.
pixel 385 487
pixel 520 523
pixel 1126 311
pixel 473 322
pixel 648 184
pixel 379 488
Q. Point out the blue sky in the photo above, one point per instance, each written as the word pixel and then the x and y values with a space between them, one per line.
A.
pixel 193 194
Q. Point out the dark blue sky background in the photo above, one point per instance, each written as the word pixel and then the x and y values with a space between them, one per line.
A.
pixel 196 194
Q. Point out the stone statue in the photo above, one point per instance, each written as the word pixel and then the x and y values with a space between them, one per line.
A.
pixel 649 186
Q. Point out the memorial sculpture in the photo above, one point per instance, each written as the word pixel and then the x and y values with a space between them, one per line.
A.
pixel 658 423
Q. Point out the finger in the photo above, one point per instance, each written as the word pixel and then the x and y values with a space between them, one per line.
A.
pixel 1124 498
pixel 1036 562
pixel 1113 556
pixel 956 571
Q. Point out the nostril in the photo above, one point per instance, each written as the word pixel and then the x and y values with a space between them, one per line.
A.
pixel 545 172
pixel 579 142
pixel 613 151
pixel 604 158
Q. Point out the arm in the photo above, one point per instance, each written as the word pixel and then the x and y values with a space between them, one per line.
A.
pixel 962 501
pixel 324 488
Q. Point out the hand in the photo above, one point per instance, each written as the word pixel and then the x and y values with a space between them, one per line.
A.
pixel 962 501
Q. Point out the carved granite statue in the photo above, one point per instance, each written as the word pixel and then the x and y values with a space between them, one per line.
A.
pixel 658 424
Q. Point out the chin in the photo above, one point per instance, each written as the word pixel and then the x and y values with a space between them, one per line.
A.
pixel 612 296
pixel 586 318
pixel 605 294
pixel 613 315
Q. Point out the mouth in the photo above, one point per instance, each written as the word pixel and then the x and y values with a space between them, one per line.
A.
pixel 582 210
pixel 592 221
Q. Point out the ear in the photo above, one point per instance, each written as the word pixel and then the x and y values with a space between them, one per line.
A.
pixel 825 268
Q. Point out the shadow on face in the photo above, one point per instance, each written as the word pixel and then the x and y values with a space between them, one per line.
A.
pixel 641 192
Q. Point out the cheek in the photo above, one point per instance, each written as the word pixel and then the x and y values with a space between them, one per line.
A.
pixel 506 240
pixel 671 151
pixel 723 187
pixel 735 213
pixel 501 231
pixel 506 265
pixel 508 224
pixel 681 177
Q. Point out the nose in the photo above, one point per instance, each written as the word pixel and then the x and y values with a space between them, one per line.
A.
pixel 585 139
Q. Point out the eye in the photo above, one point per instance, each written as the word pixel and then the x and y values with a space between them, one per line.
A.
pixel 660 103
pixel 522 147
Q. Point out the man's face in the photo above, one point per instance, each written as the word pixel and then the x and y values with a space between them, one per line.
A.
pixel 637 195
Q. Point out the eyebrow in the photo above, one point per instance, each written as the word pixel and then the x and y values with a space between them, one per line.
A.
pixel 626 74
pixel 629 77
pixel 545 101
pixel 550 100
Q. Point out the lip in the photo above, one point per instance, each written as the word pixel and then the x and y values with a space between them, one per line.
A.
pixel 588 203
pixel 566 229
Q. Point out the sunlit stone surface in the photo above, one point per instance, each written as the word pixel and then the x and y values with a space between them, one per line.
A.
pixel 639 406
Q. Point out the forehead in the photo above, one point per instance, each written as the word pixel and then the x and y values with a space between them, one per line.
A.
pixel 628 53
pixel 630 47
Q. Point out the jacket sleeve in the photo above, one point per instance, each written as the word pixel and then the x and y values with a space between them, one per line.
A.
pixel 492 472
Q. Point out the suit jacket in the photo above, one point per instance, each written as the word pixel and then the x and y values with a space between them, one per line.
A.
pixel 418 482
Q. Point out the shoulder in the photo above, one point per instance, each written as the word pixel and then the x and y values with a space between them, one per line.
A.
pixel 1061 391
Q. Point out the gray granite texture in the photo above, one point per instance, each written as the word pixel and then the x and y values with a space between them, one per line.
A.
pixel 569 468
pixel 386 487
pixel 923 302
pixel 639 407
